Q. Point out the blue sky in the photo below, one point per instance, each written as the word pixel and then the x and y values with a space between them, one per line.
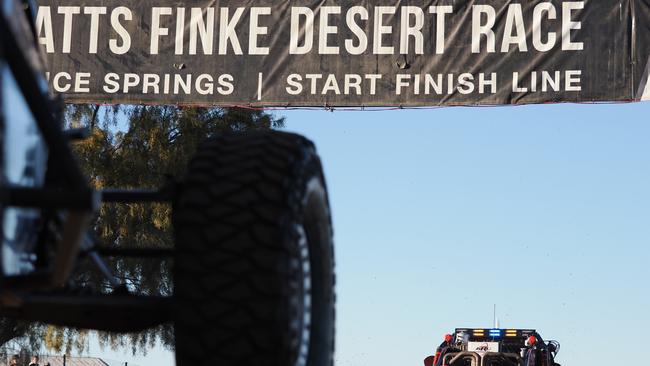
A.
pixel 439 214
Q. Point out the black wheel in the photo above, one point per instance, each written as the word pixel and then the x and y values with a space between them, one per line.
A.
pixel 254 269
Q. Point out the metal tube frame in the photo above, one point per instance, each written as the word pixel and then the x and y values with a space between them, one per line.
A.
pixel 451 358
pixel 69 192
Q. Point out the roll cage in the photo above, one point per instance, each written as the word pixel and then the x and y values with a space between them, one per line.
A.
pixel 66 205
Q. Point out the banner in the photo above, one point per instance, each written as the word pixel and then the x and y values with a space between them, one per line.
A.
pixel 405 53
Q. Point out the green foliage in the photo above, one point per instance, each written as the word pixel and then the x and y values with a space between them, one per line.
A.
pixel 155 144
pixel 31 335
pixel 139 147
pixel 65 340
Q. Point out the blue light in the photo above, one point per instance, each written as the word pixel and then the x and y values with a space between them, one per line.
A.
pixel 495 332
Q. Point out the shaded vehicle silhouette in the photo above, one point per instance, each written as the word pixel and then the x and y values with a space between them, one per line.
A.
pixel 253 263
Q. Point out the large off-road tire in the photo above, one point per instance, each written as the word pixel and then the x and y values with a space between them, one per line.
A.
pixel 254 269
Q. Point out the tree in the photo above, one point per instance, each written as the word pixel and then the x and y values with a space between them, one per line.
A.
pixel 139 147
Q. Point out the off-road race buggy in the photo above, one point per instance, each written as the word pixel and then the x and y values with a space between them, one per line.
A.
pixel 253 263
pixel 494 347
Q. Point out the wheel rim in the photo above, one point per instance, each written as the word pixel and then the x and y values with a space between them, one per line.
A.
pixel 304 316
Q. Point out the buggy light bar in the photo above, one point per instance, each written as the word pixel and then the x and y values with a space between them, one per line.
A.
pixel 495 332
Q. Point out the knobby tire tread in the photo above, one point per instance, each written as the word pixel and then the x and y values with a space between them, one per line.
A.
pixel 232 260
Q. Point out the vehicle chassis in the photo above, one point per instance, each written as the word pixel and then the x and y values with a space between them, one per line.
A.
pixel 43 295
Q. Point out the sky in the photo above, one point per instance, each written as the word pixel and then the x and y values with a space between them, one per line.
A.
pixel 440 214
